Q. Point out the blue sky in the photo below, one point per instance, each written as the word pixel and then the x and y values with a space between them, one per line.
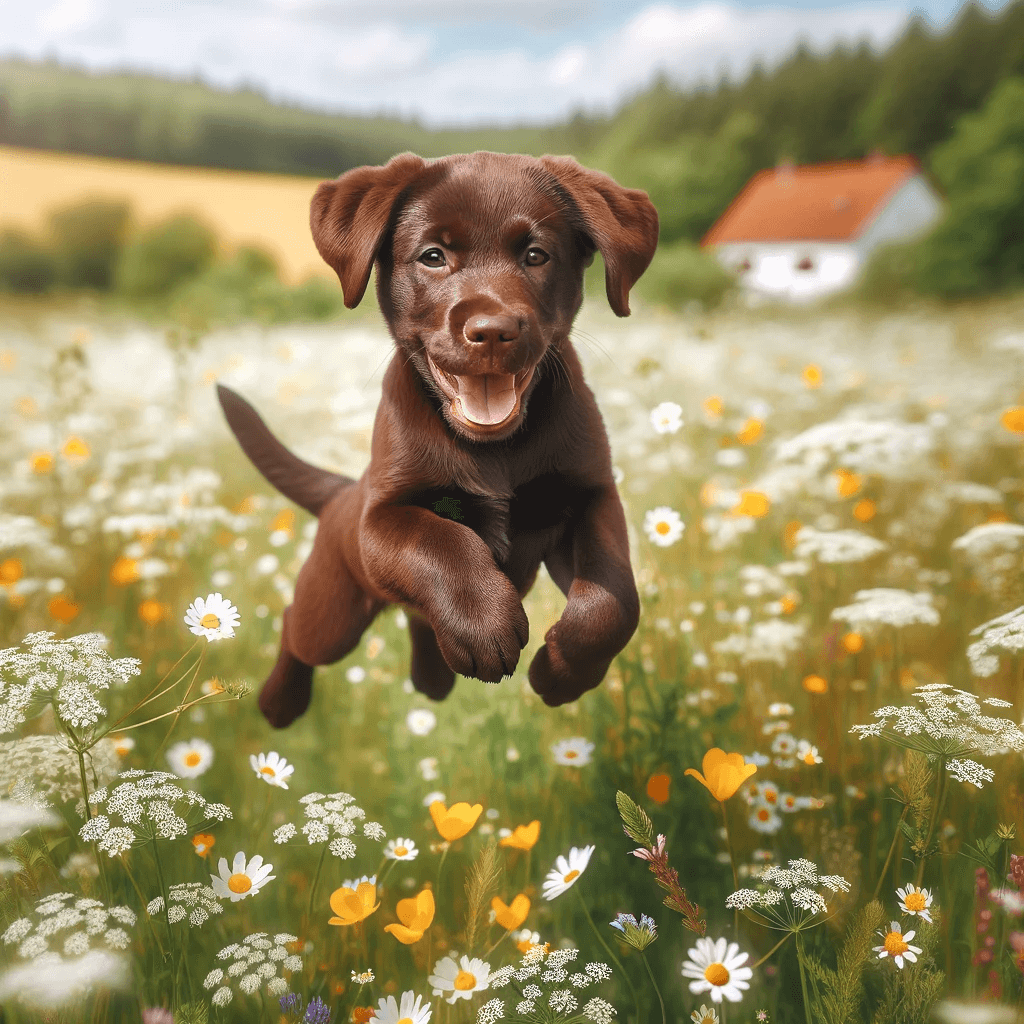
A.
pixel 445 61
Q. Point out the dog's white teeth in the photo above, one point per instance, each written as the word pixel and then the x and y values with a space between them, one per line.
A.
pixel 488 398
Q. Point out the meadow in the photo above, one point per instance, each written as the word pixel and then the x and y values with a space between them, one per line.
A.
pixel 802 777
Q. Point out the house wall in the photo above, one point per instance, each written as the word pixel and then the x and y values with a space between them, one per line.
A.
pixel 912 210
pixel 774 267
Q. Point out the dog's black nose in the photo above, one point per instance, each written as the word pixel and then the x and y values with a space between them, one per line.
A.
pixel 491 328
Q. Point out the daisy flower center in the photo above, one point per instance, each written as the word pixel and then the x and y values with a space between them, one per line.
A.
pixel 662 527
pixel 405 1020
pixel 209 621
pixel 570 753
pixel 895 944
pixel 464 981
pixel 808 758
pixel 717 974
pixel 572 875
pixel 707 1019
pixel 267 770
pixel 192 759
pixel 915 901
pixel 400 851
pixel 763 814
pixel 243 883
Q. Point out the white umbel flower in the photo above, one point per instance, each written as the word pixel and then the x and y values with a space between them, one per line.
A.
pixel 272 768
pixel 215 618
pixel 565 872
pixel 189 760
pixel 717 967
pixel 408 1011
pixel 242 878
pixel 667 418
pixel 461 977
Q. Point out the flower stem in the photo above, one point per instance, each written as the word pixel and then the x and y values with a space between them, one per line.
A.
pixel 312 888
pixel 785 938
pixel 803 978
pixel 615 959
pixel 661 1002
pixel 143 901
pixel 892 850
pixel 735 875
pixel 163 892
pixel 88 817
pixel 940 796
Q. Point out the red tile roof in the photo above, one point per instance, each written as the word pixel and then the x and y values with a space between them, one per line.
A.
pixel 830 202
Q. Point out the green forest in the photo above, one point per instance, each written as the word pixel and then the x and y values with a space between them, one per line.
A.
pixel 953 99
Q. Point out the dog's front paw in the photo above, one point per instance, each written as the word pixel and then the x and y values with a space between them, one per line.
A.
pixel 558 681
pixel 486 643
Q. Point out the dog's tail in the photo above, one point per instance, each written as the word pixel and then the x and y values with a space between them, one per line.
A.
pixel 306 485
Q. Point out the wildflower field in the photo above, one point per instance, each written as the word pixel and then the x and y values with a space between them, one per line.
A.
pixel 796 797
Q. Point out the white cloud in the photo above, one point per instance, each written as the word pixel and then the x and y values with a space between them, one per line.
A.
pixel 357 57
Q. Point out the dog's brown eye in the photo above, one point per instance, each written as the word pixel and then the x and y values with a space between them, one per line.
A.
pixel 433 258
pixel 536 257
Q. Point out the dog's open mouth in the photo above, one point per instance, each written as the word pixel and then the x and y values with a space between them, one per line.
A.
pixel 484 400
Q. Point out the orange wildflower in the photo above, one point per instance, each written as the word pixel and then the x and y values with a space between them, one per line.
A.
pixel 789 602
pixel 524 837
pixel 723 773
pixel 202 842
pixel 75 448
pixel 853 642
pixel 416 915
pixel 815 684
pixel 62 609
pixel 354 905
pixel 864 510
pixel 847 483
pixel 812 375
pixel 151 612
pixel 362 1014
pixel 454 822
pixel 752 503
pixel 1013 419
pixel 124 571
pixel 791 529
pixel 512 916
pixel 657 788
pixel 42 462
pixel 713 406
pixel 751 432
pixel 11 570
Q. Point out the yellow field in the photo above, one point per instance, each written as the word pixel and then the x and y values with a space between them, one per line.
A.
pixel 271 210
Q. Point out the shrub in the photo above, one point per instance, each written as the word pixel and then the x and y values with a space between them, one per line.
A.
pixel 890 274
pixel 87 242
pixel 682 273
pixel 25 266
pixel 164 257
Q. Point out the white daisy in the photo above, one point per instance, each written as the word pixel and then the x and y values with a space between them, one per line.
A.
pixel 574 751
pixel 705 1015
pixel 667 418
pixel 718 969
pixel 808 753
pixel 241 879
pixel 433 797
pixel 897 945
pixel 460 977
pixel 914 900
pixel 421 721
pixel 123 745
pixel 190 760
pixel 764 819
pixel 272 768
pixel 409 1011
pixel 215 618
pixel 401 849
pixel 663 526
pixel 565 872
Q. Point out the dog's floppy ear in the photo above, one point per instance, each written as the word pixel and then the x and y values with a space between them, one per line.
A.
pixel 348 218
pixel 622 222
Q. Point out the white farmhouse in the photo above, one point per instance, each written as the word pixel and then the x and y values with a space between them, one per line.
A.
pixel 798 233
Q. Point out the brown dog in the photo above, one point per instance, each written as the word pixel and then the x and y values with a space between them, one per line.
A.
pixel 489 454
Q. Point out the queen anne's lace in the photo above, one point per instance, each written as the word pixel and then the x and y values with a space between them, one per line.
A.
pixel 42 770
pixel 332 819
pixel 255 960
pixel 887 606
pixel 65 673
pixel 787 897
pixel 192 900
pixel 73 926
pixel 146 806
pixel 1004 634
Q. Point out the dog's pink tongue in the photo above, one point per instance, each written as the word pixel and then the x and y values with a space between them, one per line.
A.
pixel 487 398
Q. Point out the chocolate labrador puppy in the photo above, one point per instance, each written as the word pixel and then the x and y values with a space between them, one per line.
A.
pixel 489 454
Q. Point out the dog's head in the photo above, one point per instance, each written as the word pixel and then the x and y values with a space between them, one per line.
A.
pixel 480 262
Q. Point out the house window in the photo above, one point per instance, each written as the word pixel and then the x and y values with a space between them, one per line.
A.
pixel 805 264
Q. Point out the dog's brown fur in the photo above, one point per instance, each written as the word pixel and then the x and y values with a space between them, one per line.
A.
pixel 459 244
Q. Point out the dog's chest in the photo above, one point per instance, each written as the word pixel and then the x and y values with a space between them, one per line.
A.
pixel 544 503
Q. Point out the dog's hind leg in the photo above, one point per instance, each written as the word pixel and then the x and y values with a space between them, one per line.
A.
pixel 325 621
pixel 430 672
